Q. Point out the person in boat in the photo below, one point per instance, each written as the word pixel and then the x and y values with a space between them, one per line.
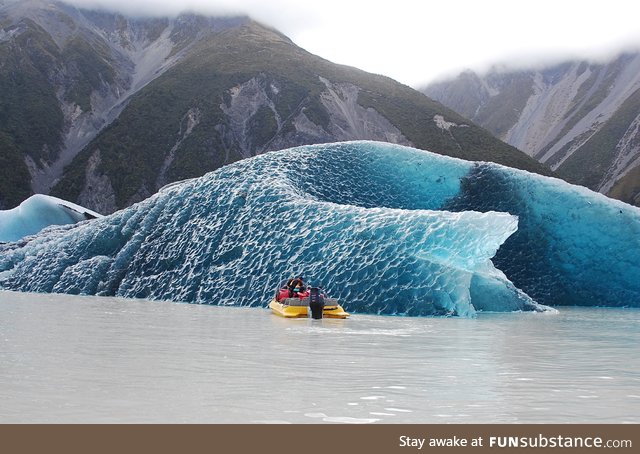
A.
pixel 296 286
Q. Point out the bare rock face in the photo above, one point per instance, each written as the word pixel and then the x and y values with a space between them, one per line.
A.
pixel 98 191
pixel 245 102
pixel 351 121
pixel 347 120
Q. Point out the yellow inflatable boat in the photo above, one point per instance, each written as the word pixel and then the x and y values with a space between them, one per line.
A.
pixel 311 303
pixel 297 308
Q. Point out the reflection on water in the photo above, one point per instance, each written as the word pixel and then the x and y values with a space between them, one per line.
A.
pixel 91 359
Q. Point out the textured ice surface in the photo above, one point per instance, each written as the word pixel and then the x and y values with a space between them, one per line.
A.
pixel 387 229
pixel 573 246
pixel 339 214
pixel 37 212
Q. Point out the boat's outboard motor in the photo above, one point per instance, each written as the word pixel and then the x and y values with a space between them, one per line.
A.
pixel 316 302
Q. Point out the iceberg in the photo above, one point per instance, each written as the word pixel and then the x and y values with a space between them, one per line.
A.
pixel 387 229
pixel 36 213
pixel 573 246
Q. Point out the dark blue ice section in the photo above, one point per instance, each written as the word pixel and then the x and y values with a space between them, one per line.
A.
pixel 387 229
pixel 573 246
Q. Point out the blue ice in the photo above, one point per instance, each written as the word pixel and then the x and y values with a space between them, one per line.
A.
pixel 387 229
pixel 37 212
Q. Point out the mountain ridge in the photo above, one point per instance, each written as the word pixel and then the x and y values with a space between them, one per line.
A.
pixel 85 65
pixel 148 101
pixel 579 117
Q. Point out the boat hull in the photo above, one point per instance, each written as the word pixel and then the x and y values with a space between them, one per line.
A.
pixel 287 311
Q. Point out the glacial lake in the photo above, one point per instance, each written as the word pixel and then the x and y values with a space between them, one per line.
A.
pixel 110 360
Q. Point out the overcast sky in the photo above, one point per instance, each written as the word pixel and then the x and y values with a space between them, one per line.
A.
pixel 416 41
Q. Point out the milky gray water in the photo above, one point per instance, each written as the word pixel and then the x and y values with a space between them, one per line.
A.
pixel 103 360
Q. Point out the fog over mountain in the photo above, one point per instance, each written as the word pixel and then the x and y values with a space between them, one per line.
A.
pixel 415 42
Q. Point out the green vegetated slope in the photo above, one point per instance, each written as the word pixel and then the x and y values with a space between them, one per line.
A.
pixel 31 121
pixel 37 75
pixel 152 137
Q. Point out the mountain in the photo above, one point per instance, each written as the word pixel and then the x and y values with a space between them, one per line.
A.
pixel 581 118
pixel 103 109
pixel 65 74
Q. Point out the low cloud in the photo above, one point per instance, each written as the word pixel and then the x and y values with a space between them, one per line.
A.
pixel 288 15
pixel 415 41
pixel 158 8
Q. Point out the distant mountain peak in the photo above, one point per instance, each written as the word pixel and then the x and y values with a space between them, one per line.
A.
pixel 580 117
